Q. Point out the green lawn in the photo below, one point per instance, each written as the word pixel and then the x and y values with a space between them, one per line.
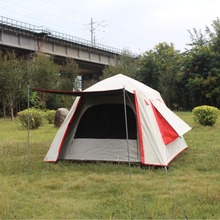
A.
pixel 190 189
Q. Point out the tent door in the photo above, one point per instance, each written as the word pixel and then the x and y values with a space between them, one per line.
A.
pixel 100 135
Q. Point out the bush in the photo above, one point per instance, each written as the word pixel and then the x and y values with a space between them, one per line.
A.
pixel 205 115
pixel 50 115
pixel 36 118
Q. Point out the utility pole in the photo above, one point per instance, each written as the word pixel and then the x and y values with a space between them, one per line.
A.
pixel 92 29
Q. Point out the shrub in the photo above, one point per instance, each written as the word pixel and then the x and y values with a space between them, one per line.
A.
pixel 50 115
pixel 36 118
pixel 205 115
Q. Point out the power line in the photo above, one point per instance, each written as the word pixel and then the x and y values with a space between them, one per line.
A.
pixel 46 13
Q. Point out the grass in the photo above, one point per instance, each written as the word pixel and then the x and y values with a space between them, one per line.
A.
pixel 103 190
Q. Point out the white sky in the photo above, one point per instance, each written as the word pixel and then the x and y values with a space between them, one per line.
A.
pixel 136 25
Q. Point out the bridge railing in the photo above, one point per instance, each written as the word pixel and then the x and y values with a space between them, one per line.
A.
pixel 81 41
pixel 55 34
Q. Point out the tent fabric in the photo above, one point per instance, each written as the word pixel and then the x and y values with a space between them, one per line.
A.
pixel 154 151
pixel 91 149
pixel 177 123
pixel 167 132
pixel 94 129
pixel 55 148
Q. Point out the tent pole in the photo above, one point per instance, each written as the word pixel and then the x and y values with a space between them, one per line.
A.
pixel 126 129
pixel 28 129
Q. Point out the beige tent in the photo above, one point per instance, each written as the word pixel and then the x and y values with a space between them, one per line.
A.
pixel 119 119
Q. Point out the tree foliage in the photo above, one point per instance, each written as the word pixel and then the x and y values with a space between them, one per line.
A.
pixel 127 66
pixel 159 68
pixel 68 82
pixel 41 72
pixel 68 74
pixel 11 81
pixel 44 74
pixel 202 68
pixel 184 79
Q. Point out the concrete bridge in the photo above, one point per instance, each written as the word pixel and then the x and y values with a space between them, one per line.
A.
pixel 27 39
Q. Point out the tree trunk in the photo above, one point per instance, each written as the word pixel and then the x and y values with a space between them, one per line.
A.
pixel 11 109
pixel 12 113
pixel 4 108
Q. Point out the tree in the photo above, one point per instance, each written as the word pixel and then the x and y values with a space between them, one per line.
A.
pixel 202 67
pixel 127 65
pixel 202 76
pixel 148 69
pixel 44 74
pixel 198 39
pixel 214 35
pixel 11 81
pixel 68 82
pixel 68 75
pixel 159 68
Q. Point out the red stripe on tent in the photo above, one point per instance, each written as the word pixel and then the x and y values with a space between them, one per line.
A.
pixel 67 129
pixel 167 132
pixel 139 128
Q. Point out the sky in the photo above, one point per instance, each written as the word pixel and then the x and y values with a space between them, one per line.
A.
pixel 133 25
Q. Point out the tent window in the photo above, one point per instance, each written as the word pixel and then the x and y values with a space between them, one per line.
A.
pixel 107 121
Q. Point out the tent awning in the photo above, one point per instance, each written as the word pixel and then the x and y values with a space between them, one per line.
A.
pixel 82 93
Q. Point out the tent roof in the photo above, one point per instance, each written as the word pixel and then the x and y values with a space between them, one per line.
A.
pixel 111 86
pixel 121 81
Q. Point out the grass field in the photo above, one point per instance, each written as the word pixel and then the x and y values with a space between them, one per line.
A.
pixel 191 188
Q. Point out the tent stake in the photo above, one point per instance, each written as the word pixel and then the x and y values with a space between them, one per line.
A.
pixel 126 128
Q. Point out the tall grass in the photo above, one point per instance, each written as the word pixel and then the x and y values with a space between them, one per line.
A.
pixel 103 190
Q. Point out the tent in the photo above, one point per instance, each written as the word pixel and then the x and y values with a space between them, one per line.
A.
pixel 119 119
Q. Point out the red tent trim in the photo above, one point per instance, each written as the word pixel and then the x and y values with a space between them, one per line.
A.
pixel 139 128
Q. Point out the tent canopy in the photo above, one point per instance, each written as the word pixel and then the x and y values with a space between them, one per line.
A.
pixel 82 93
